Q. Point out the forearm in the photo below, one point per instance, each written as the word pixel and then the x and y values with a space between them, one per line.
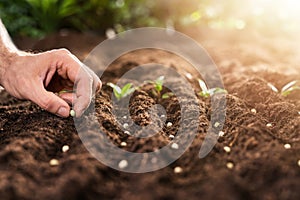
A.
pixel 8 51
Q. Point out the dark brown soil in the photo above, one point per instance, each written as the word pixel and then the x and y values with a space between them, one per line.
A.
pixel 262 167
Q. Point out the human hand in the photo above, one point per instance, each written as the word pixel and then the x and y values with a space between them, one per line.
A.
pixel 37 77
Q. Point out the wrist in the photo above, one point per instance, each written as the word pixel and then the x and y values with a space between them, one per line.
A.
pixel 6 61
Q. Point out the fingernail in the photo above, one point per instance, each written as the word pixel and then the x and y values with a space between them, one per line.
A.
pixel 63 112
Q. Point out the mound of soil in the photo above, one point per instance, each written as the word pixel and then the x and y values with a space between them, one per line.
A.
pixel 259 122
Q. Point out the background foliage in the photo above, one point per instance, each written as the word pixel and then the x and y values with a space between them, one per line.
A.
pixel 37 18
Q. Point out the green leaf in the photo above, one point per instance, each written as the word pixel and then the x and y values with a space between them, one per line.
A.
pixel 287 86
pixel 159 83
pixel 288 91
pixel 167 95
pixel 121 93
pixel 126 88
pixel 218 91
pixel 273 87
pixel 204 94
pixel 202 85
pixel 115 87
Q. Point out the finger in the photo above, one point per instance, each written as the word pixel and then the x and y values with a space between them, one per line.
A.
pixel 81 76
pixel 49 101
pixel 67 97
pixel 84 87
pixel 97 84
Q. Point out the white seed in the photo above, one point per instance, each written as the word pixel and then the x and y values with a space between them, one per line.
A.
pixel 227 149
pixel 1 88
pixel 269 125
pixel 125 125
pixel 217 124
pixel 189 76
pixel 72 113
pixel 287 146
pixel 299 113
pixel 123 144
pixel 171 136
pixel 299 163
pixel 163 116
pixel 229 165
pixel 123 164
pixel 65 148
pixel 125 117
pixel 174 146
pixel 127 132
pixel 221 134
pixel 253 110
pixel 177 170
pixel 54 162
pixel 169 124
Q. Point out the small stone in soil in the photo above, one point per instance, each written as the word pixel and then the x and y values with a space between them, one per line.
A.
pixel 65 148
pixel 127 132
pixel 123 144
pixel 229 165
pixel 125 117
pixel 169 124
pixel 221 134
pixel 72 113
pixel 54 162
pixel 177 170
pixel 287 146
pixel 123 164
pixel 163 116
pixel 125 125
pixel 269 125
pixel 217 124
pixel 174 146
pixel 171 136
pixel 299 163
pixel 253 110
pixel 227 149
pixel 299 113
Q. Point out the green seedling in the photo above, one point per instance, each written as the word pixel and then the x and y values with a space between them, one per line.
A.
pixel 285 90
pixel 122 92
pixel 158 87
pixel 167 95
pixel 65 91
pixel 209 92
pixel 72 113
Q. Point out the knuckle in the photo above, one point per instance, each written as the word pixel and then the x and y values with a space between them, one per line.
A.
pixel 64 51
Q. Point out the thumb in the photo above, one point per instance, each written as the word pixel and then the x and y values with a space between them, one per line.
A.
pixel 50 102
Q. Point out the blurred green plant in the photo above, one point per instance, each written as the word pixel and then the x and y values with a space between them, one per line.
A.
pixel 15 14
pixel 286 89
pixel 158 88
pixel 36 18
pixel 50 14
pixel 205 92
pixel 40 17
pixel 123 92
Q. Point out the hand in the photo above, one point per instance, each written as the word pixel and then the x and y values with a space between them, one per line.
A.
pixel 37 77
